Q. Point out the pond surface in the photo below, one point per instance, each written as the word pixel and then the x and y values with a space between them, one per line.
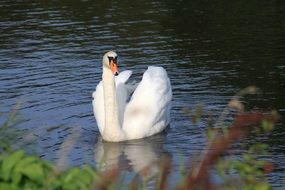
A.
pixel 50 63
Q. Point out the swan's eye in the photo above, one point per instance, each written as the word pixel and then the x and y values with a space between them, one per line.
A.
pixel 110 59
pixel 113 59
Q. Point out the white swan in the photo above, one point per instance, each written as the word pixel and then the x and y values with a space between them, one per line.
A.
pixel 148 110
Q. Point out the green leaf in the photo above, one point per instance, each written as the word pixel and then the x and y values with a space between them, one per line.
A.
pixel 85 178
pixel 9 162
pixel 88 174
pixel 247 157
pixel 30 185
pixel 78 179
pixel 47 167
pixel 73 186
pixel 263 186
pixel 267 125
pixel 260 148
pixel 71 175
pixel 89 170
pixel 210 133
pixel 8 186
pixel 16 177
pixel 34 172
pixel 16 174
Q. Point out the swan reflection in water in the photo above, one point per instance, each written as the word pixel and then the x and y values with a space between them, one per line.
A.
pixel 141 156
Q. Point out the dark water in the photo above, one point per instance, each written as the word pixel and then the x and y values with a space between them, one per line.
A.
pixel 50 62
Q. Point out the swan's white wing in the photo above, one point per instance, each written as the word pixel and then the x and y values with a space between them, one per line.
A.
pixel 123 77
pixel 147 112
pixel 123 92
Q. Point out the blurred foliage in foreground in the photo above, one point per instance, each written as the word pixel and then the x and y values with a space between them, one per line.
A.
pixel 21 171
pixel 8 134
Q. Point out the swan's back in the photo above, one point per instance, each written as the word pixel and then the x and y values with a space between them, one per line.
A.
pixel 148 111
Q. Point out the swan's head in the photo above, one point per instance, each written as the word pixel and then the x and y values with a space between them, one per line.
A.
pixel 110 62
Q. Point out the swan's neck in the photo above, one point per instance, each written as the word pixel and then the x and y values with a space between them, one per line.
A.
pixel 112 130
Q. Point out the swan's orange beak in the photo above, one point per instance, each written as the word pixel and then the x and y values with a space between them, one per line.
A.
pixel 114 67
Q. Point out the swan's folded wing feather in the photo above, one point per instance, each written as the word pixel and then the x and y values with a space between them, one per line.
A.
pixel 147 112
pixel 123 76
pixel 123 92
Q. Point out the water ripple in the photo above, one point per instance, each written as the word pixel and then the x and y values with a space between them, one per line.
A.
pixel 50 60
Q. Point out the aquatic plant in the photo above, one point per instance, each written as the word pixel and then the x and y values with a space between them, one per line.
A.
pixel 8 133
pixel 21 171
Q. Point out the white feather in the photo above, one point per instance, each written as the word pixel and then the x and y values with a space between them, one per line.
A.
pixel 146 113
